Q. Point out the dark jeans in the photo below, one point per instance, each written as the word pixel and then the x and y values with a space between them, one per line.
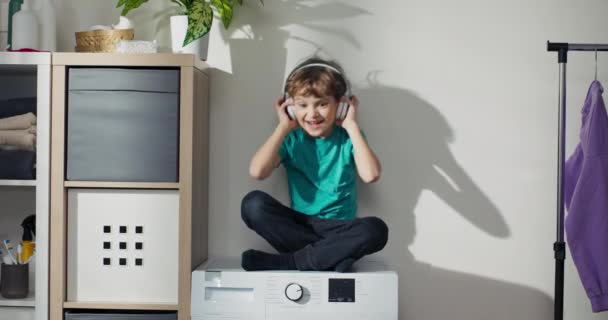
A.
pixel 317 244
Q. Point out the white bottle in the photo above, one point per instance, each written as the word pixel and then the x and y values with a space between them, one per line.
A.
pixel 25 28
pixel 48 26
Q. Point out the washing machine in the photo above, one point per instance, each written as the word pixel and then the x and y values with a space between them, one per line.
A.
pixel 221 289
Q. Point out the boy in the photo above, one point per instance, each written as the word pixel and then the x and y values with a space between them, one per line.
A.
pixel 322 156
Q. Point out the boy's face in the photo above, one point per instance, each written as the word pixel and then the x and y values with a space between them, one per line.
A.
pixel 316 115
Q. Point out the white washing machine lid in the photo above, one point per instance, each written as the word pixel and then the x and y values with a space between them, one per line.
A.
pixel 233 264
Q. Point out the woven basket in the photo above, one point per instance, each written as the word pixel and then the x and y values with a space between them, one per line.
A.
pixel 101 40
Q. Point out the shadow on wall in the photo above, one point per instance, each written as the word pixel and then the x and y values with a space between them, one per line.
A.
pixel 244 118
pixel 423 162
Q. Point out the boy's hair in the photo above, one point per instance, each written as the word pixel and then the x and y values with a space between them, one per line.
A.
pixel 318 81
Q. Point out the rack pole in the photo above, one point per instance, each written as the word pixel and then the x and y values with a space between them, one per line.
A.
pixel 559 247
pixel 560 46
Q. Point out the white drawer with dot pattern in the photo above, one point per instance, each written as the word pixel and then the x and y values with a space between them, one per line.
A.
pixel 122 245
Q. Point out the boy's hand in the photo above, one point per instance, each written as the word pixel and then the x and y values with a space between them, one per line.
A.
pixel 350 120
pixel 284 121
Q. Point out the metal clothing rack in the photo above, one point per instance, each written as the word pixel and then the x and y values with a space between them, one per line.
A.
pixel 559 247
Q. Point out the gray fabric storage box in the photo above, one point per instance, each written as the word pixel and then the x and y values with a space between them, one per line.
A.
pixel 69 315
pixel 154 80
pixel 122 135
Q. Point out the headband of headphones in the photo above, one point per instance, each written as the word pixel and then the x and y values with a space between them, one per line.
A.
pixel 319 64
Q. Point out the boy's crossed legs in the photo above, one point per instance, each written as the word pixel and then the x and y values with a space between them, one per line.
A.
pixel 306 242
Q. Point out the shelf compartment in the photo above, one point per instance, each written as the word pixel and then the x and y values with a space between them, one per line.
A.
pixel 28 301
pixel 122 135
pixel 121 185
pixel 120 239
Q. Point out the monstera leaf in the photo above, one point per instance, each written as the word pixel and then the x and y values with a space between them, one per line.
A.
pixel 129 5
pixel 200 17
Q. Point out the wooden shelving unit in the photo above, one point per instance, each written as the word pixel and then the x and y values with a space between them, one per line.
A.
pixel 28 74
pixel 190 189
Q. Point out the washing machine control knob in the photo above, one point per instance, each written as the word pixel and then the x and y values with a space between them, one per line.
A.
pixel 294 292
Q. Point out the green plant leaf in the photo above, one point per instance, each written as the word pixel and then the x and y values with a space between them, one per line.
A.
pixel 240 2
pixel 200 18
pixel 224 9
pixel 129 5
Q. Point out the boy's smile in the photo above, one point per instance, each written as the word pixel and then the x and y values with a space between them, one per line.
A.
pixel 316 115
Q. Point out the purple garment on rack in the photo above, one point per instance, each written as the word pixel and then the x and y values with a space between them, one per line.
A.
pixel 586 198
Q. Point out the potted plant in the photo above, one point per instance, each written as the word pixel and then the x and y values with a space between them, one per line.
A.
pixel 193 22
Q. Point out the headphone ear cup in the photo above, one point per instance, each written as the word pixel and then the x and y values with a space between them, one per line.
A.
pixel 342 110
pixel 291 112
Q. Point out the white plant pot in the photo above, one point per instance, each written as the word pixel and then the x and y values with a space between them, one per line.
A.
pixel 179 27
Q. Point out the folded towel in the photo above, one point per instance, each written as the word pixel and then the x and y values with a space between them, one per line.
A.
pixel 17 164
pixel 32 130
pixel 22 121
pixel 21 139
pixel 17 106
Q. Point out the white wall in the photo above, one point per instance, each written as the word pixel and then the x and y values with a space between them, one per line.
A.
pixel 459 99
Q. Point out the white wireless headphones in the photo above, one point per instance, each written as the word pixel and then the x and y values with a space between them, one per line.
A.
pixel 342 106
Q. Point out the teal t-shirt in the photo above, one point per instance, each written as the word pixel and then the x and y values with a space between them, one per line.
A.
pixel 321 174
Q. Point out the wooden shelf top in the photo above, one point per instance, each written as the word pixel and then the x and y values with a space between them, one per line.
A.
pixel 25 58
pixel 127 59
